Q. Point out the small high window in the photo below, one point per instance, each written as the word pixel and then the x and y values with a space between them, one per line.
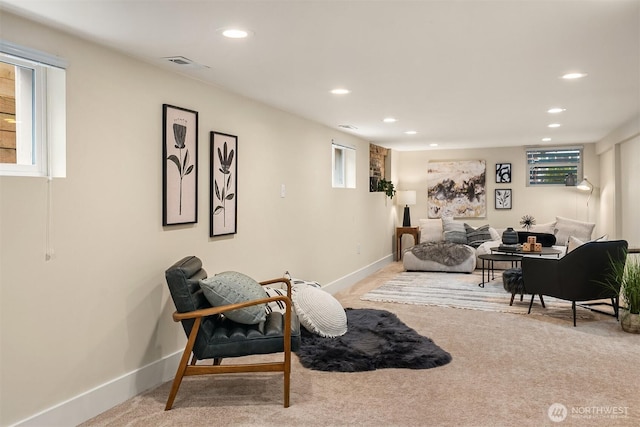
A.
pixel 552 166
pixel 343 160
pixel 32 113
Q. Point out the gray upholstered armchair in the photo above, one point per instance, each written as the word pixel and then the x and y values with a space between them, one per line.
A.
pixel 579 276
pixel 214 336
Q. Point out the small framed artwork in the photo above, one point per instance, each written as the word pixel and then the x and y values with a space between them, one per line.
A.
pixel 224 178
pixel 503 198
pixel 179 165
pixel 503 172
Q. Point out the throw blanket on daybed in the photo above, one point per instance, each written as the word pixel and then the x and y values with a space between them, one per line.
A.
pixel 445 253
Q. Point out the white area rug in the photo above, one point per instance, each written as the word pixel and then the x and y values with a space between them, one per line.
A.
pixel 459 290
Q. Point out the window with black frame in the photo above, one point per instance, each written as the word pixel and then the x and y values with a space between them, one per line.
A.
pixel 554 166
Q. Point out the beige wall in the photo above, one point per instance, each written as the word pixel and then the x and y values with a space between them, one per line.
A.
pixel 100 308
pixel 629 194
pixel 619 154
pixel 608 196
pixel 543 203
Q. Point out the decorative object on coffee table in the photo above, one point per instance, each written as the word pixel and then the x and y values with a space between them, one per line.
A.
pixel 531 245
pixel 510 236
pixel 547 240
pixel 527 222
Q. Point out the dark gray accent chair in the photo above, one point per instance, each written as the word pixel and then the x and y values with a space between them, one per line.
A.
pixel 213 336
pixel 578 276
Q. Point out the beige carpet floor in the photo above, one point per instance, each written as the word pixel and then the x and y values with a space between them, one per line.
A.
pixel 507 370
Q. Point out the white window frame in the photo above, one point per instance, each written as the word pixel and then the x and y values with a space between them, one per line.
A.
pixel 553 158
pixel 343 166
pixel 41 112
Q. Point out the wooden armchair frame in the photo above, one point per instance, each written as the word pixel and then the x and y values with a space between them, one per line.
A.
pixel 189 369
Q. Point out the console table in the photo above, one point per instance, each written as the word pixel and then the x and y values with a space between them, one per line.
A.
pixel 400 231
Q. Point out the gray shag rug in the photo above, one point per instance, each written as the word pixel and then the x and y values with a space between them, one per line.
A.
pixel 375 339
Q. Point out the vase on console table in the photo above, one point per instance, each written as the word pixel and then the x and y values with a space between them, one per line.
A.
pixel 510 236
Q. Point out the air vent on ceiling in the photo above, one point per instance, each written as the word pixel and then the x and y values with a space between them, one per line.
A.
pixel 350 127
pixel 182 61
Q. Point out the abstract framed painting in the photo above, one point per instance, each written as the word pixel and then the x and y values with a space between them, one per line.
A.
pixel 223 200
pixel 179 165
pixel 503 198
pixel 503 172
pixel 456 189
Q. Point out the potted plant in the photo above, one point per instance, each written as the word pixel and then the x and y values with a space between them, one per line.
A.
pixel 629 278
pixel 387 187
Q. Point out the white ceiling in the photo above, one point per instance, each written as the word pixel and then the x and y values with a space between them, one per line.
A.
pixel 461 73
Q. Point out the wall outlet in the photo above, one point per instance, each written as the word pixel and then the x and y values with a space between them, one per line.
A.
pixel 283 190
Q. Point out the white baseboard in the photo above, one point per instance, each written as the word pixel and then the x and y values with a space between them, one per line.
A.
pixel 96 401
pixel 104 397
pixel 352 278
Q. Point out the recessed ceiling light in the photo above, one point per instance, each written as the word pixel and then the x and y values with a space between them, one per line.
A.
pixel 547 139
pixel 573 76
pixel 433 144
pixel 411 132
pixel 556 110
pixel 340 91
pixel 554 125
pixel 235 33
pixel 389 120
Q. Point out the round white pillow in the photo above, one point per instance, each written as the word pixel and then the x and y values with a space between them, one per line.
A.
pixel 319 312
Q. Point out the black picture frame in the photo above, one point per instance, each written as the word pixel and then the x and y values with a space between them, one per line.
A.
pixel 223 198
pixel 503 198
pixel 179 165
pixel 503 173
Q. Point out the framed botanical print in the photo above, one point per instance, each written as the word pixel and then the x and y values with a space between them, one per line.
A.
pixel 503 198
pixel 179 165
pixel 224 178
pixel 503 172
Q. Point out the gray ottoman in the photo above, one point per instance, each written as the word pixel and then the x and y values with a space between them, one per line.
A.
pixel 513 283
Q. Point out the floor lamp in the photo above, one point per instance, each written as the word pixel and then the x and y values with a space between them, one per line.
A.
pixel 406 198
pixel 586 185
